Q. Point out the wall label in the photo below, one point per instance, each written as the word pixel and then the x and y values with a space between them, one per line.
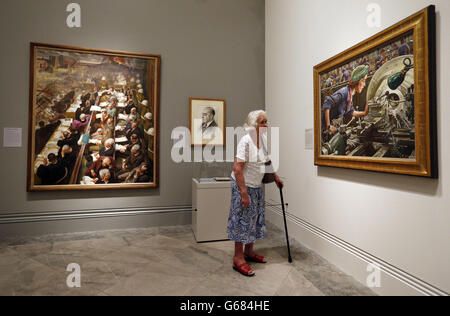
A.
pixel 12 137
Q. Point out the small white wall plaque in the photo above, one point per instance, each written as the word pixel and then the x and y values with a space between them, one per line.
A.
pixel 12 137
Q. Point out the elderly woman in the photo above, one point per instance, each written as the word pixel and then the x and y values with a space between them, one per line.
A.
pixel 246 222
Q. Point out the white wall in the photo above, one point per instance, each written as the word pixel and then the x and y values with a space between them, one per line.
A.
pixel 401 220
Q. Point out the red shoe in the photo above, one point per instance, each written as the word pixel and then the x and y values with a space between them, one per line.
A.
pixel 244 269
pixel 255 258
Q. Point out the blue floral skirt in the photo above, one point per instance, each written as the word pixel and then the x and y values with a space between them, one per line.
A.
pixel 246 225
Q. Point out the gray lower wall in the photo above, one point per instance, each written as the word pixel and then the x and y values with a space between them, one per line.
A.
pixel 209 48
pixel 26 225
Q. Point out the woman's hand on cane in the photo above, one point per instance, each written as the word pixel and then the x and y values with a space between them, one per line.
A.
pixel 279 182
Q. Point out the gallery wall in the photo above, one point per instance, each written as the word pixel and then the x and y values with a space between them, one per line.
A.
pixel 401 222
pixel 209 49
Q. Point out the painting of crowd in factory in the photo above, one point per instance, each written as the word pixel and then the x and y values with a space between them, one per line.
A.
pixel 93 119
pixel 367 103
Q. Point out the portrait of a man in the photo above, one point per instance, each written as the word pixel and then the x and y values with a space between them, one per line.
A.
pixel 207 122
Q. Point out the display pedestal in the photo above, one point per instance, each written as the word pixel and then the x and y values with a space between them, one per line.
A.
pixel 210 210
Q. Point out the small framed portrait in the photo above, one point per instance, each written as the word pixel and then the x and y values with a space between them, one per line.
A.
pixel 207 122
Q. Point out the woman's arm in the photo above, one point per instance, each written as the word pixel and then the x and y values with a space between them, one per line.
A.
pixel 362 114
pixel 328 122
pixel 238 169
pixel 279 182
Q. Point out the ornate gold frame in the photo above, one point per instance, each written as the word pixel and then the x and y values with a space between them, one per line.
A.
pixel 153 84
pixel 423 26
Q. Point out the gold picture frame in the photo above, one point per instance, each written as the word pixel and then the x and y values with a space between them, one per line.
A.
pixel 388 125
pixel 93 119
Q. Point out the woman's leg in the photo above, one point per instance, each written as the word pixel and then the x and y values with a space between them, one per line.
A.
pixel 250 253
pixel 249 249
pixel 238 253
pixel 239 263
pixel 259 226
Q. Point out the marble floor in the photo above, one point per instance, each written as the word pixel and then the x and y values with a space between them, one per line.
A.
pixel 163 261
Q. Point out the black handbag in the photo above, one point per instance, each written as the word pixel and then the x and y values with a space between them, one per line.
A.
pixel 269 177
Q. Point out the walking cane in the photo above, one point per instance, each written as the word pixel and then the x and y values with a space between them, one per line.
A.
pixel 285 226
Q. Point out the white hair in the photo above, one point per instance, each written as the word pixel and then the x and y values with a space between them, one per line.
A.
pixel 252 119
pixel 109 141
pixel 104 172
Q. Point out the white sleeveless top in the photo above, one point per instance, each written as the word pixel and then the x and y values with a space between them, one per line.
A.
pixel 255 159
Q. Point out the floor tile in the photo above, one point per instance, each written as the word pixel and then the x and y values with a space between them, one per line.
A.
pixel 152 284
pixel 209 287
pixel 295 284
pixel 164 261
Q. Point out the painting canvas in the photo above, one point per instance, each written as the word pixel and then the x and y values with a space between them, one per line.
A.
pixel 93 119
pixel 375 103
pixel 207 122
pixel 371 101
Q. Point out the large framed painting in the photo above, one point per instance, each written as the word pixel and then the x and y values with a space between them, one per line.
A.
pixel 207 122
pixel 375 103
pixel 93 119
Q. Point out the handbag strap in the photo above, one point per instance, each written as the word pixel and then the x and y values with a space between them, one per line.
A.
pixel 266 153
